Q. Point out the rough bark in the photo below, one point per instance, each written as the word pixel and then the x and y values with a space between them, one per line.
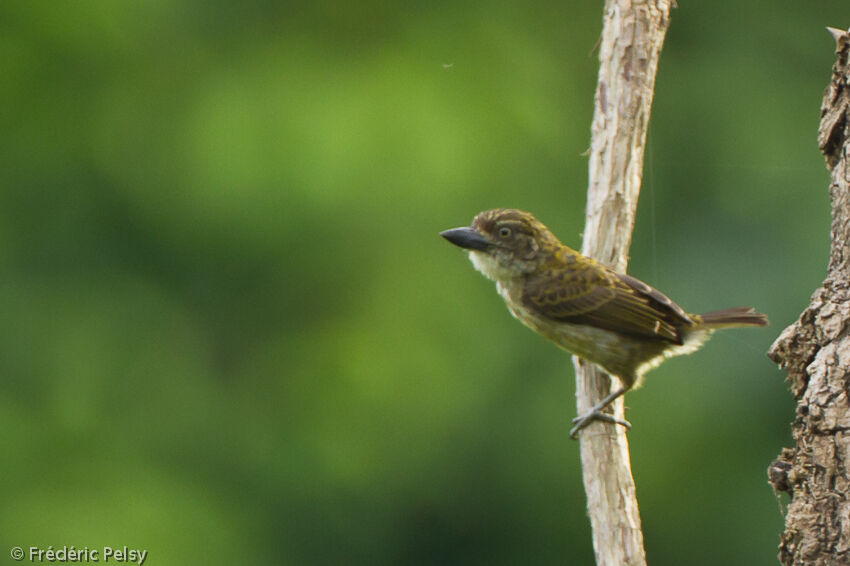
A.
pixel 815 350
pixel 631 43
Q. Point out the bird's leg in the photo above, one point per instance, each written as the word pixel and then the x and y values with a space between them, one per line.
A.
pixel 596 414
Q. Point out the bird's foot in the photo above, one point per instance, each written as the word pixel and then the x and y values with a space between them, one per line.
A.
pixel 595 415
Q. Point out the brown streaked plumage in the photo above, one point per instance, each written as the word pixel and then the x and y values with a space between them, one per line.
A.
pixel 611 319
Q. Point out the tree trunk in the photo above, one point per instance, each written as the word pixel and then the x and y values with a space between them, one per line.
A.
pixel 631 42
pixel 816 352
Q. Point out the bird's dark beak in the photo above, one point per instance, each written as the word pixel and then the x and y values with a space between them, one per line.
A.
pixel 467 238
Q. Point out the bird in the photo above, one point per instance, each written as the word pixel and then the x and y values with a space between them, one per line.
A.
pixel 610 319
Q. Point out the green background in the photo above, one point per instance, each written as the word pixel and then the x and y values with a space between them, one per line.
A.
pixel 232 335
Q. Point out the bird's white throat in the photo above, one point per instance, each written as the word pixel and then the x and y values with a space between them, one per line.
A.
pixel 489 266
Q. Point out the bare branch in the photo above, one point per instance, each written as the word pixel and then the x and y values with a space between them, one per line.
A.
pixel 631 43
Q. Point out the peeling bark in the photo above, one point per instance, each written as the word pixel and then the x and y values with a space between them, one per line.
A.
pixel 815 351
pixel 629 50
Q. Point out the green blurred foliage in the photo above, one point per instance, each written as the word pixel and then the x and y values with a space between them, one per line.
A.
pixel 232 335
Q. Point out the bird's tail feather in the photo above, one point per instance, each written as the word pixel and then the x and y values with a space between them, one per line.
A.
pixel 729 318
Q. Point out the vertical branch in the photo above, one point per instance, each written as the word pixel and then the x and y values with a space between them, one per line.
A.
pixel 631 43
pixel 815 351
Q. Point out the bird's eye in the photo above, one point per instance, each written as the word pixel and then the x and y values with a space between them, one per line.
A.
pixel 504 231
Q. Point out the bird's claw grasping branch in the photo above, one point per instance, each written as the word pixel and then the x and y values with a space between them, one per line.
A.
pixel 596 414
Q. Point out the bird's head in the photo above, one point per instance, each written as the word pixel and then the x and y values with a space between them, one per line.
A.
pixel 504 243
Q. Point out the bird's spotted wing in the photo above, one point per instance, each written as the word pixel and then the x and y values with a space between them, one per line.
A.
pixel 563 293
pixel 596 296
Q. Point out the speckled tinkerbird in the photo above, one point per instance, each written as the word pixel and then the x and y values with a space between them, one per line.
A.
pixel 610 319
